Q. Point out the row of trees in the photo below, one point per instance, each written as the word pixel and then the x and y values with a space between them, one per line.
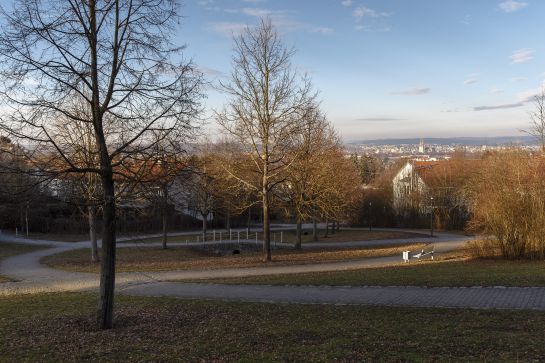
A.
pixel 101 104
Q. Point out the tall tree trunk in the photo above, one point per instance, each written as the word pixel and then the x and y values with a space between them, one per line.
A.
pixel 204 226
pixel 333 227
pixel 165 217
pixel 165 225
pixel 338 226
pixel 91 212
pixel 314 230
pixel 266 221
pixel 249 218
pixel 298 237
pixel 228 218
pixel 107 269
pixel 326 229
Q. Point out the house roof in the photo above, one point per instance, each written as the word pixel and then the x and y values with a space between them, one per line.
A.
pixel 446 173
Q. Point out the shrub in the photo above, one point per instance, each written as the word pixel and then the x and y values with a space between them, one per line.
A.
pixel 507 201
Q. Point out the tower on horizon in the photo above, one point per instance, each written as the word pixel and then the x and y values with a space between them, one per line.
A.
pixel 421 146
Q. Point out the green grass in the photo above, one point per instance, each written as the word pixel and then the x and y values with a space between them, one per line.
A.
pixel 12 249
pixel 441 273
pixel 60 327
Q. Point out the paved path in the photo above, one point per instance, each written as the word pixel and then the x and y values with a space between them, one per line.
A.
pixel 35 277
pixel 527 298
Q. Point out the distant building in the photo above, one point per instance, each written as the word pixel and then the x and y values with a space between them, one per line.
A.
pixel 418 181
pixel 409 185
pixel 421 148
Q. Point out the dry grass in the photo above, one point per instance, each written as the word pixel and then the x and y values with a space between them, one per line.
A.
pixel 456 268
pixel 155 259
pixel 61 327
pixel 484 248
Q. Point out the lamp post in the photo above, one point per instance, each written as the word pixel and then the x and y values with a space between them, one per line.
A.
pixel 431 216
pixel 370 204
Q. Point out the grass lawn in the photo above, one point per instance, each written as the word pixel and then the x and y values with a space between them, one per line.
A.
pixel 60 327
pixel 182 258
pixel 462 272
pixel 12 249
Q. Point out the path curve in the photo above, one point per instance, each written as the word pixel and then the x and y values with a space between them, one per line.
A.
pixel 35 277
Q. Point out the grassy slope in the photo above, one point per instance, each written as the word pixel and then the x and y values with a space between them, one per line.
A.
pixel 440 273
pixel 156 259
pixel 60 328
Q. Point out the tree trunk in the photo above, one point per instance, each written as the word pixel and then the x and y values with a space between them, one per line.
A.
pixel 204 226
pixel 165 225
pixel 165 217
pixel 298 233
pixel 326 229
pixel 249 218
pixel 266 222
pixel 228 219
pixel 314 230
pixel 333 227
pixel 338 226
pixel 107 269
pixel 93 233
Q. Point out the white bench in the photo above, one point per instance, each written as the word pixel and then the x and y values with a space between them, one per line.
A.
pixel 420 255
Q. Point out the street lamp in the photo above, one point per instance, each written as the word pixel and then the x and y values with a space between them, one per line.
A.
pixel 431 216
pixel 370 204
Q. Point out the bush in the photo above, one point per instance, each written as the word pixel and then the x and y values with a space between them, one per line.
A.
pixel 508 202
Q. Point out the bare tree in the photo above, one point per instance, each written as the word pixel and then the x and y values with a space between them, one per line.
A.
pixel 302 189
pixel 537 119
pixel 266 99
pixel 117 56
pixel 200 189
pixel 78 142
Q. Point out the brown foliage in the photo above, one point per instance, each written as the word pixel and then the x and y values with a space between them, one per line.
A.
pixel 507 202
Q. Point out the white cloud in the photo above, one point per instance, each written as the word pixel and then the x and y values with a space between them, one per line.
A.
pixel 496 90
pixel 279 18
pixel 379 119
pixel 466 20
pixel 363 11
pixel 498 107
pixel 374 19
pixel 211 72
pixel 522 56
pixel 347 2
pixel 529 95
pixel 518 79
pixel 412 91
pixel 472 78
pixel 510 6
pixel 227 28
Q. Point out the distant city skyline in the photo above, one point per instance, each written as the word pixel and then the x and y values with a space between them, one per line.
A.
pixel 390 68
pixel 394 68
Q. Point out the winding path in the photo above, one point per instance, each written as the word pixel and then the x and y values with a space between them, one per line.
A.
pixel 33 277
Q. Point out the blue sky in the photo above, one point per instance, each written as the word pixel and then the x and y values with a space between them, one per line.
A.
pixel 394 68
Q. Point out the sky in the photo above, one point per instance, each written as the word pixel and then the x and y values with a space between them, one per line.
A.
pixel 390 68
pixel 393 68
